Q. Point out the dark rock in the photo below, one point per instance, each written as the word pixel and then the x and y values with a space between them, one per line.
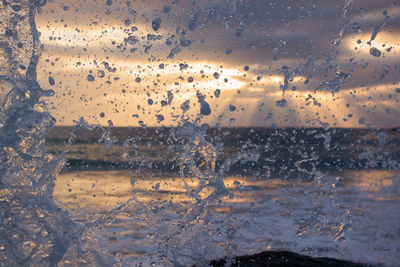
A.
pixel 282 259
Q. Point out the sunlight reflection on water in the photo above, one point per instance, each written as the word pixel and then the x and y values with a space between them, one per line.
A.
pixel 108 188
pixel 273 213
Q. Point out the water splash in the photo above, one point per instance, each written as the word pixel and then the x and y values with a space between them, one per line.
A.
pixel 33 228
pixel 346 28
pixel 37 230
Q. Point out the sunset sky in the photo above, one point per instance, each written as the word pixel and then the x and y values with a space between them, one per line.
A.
pixel 275 62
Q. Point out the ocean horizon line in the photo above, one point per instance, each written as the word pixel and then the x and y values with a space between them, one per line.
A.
pixel 234 127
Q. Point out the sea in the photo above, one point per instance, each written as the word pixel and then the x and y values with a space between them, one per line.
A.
pixel 207 193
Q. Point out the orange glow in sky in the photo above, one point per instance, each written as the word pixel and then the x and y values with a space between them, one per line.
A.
pixel 100 76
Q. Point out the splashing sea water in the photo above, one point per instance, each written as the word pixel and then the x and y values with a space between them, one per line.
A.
pixel 37 230
pixel 33 229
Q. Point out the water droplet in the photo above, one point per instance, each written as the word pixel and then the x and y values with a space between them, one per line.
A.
pixel 281 103
pixel 204 108
pixel 90 78
pixel 51 81
pixel 185 105
pixel 228 51
pixel 239 32
pixel 183 66
pixel 156 23
pixel 128 22
pixel 160 117
pixel 193 22
pixel 166 9
pixel 217 93
pixel 101 74
pixel 375 52
pixel 382 138
pixel 16 8
pixel 170 96
pixel 131 40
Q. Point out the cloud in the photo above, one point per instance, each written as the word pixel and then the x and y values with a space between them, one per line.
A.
pixel 287 46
